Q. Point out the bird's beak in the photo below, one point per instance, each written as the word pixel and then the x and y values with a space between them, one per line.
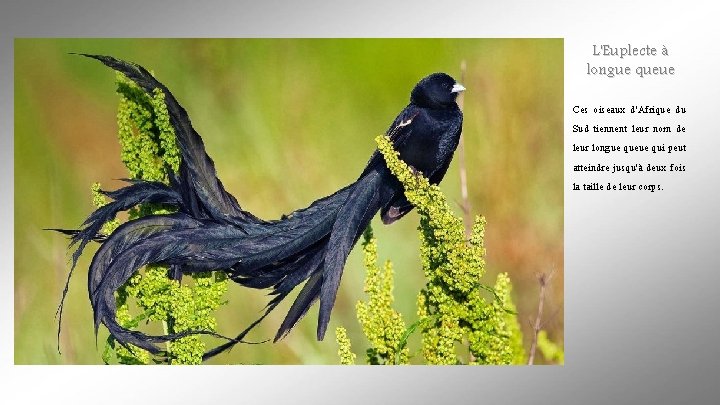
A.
pixel 457 88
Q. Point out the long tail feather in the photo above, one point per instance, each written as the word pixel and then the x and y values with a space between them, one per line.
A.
pixel 352 219
pixel 308 295
pixel 137 192
pixel 198 175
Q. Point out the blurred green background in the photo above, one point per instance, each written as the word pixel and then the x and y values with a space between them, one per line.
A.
pixel 287 121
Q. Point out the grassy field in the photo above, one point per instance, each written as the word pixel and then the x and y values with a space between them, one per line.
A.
pixel 286 121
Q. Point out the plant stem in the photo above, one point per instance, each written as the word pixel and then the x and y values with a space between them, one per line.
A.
pixel 467 219
pixel 543 280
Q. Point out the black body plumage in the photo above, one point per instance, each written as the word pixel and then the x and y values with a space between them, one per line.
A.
pixel 210 231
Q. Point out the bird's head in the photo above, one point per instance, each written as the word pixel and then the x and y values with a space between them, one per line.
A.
pixel 438 90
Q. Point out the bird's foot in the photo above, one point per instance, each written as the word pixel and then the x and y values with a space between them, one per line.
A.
pixel 417 173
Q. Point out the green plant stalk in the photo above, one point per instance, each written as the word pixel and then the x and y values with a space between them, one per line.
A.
pixel 451 305
pixel 347 357
pixel 382 325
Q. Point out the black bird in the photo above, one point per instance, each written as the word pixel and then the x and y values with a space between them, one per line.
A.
pixel 210 231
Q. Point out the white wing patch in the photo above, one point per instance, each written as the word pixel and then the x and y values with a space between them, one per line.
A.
pixel 405 123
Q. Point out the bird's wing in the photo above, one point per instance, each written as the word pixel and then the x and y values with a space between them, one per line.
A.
pixel 399 205
pixel 198 181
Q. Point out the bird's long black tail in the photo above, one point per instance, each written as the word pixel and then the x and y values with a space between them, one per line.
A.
pixel 210 231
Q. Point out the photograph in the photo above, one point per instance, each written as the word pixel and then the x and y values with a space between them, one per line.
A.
pixel 277 201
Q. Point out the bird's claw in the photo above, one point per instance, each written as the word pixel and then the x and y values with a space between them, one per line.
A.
pixel 417 173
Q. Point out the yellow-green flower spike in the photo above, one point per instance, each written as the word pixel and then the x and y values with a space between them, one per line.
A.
pixel 347 357
pixel 454 305
pixel 382 325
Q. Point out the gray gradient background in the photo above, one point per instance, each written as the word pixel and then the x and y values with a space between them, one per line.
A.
pixel 641 269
